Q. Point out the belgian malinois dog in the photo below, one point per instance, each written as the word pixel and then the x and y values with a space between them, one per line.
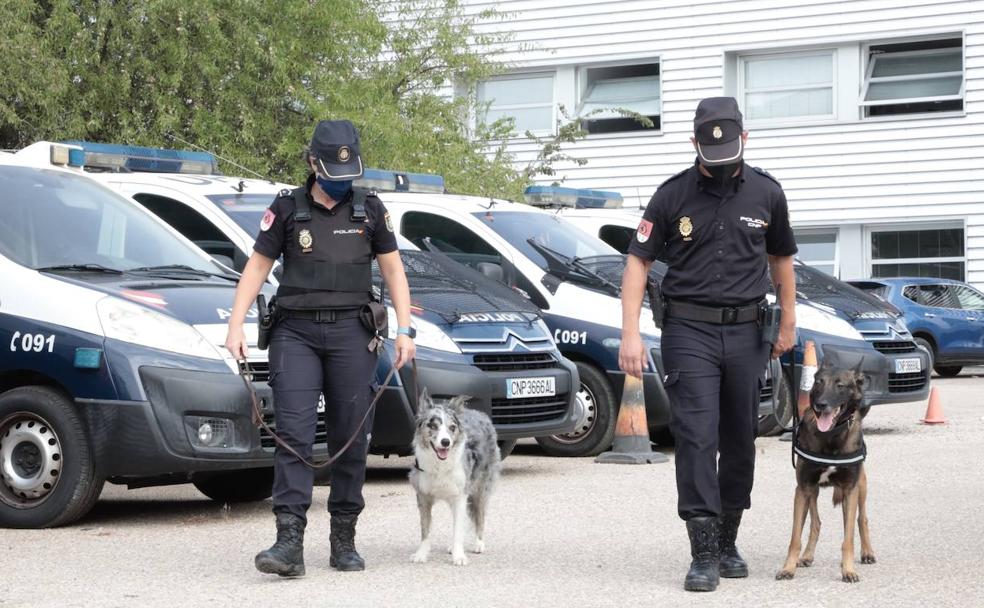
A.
pixel 830 430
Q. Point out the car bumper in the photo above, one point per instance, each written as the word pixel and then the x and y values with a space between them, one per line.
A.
pixel 882 383
pixel 905 385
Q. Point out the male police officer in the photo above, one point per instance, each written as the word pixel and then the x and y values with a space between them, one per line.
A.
pixel 328 234
pixel 720 226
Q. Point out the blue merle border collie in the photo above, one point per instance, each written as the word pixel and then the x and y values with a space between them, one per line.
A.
pixel 457 462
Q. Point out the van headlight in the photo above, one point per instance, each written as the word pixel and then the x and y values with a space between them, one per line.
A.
pixel 135 324
pixel 428 334
pixel 808 317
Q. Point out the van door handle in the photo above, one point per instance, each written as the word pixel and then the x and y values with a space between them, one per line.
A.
pixel 929 315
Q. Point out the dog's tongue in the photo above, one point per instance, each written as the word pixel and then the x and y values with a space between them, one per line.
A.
pixel 825 421
pixel 442 453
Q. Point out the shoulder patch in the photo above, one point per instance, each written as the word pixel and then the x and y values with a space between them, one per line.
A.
pixel 677 176
pixel 765 173
pixel 267 220
pixel 284 193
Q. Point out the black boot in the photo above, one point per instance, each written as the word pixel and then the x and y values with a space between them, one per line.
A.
pixel 703 573
pixel 732 564
pixel 286 556
pixel 344 557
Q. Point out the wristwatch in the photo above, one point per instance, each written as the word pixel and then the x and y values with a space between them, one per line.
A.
pixel 407 331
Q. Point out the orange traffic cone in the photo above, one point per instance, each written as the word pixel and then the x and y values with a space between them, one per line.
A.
pixel 806 376
pixel 631 445
pixel 934 411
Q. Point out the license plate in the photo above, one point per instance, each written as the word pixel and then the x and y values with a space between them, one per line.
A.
pixel 903 366
pixel 517 388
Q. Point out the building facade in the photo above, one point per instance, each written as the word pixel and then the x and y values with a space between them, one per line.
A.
pixel 870 112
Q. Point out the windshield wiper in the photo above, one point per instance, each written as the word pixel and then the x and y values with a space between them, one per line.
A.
pixel 88 267
pixel 181 269
pixel 574 266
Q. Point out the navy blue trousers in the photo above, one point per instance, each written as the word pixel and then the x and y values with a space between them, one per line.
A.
pixel 713 379
pixel 306 360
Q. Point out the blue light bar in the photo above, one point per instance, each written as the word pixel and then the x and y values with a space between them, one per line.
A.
pixel 155 160
pixel 392 181
pixel 556 196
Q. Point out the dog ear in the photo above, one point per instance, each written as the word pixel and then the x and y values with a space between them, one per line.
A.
pixel 457 404
pixel 424 402
pixel 859 372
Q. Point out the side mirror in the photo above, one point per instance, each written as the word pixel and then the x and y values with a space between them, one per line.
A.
pixel 492 271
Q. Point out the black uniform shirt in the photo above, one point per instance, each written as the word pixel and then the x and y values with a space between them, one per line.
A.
pixel 278 223
pixel 714 240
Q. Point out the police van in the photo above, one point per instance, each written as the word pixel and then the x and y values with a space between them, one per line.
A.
pixel 111 358
pixel 474 337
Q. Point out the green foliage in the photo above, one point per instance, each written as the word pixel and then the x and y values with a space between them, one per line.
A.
pixel 248 79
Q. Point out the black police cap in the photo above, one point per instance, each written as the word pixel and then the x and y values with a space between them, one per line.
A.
pixel 335 146
pixel 717 129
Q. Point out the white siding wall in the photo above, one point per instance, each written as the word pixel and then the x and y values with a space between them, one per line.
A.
pixel 850 171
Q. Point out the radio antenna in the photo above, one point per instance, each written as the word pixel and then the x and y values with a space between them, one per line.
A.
pixel 225 160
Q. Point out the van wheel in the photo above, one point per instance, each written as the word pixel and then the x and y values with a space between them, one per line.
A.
pixel 47 474
pixel 948 371
pixel 506 447
pixel 248 485
pixel 773 424
pixel 596 423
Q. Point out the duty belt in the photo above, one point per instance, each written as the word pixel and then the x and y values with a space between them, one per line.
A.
pixel 320 315
pixel 728 315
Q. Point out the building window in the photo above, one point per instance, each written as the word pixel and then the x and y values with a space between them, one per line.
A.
pixel 788 86
pixel 527 98
pixel 914 78
pixel 819 250
pixel 918 253
pixel 605 90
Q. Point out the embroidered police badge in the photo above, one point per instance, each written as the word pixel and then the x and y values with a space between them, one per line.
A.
pixel 305 240
pixel 717 132
pixel 686 228
pixel 344 154
pixel 389 222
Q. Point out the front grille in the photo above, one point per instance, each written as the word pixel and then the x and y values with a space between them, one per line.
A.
pixel 267 442
pixel 889 348
pixel 529 409
pixel 514 362
pixel 261 370
pixel 766 393
pixel 906 383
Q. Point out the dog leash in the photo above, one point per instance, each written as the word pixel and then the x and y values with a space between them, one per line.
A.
pixel 247 375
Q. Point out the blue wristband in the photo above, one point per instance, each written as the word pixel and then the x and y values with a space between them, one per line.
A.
pixel 407 331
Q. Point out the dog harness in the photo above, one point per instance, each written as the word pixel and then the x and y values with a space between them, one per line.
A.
pixel 853 458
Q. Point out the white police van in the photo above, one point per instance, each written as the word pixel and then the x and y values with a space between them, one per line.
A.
pixel 111 358
pixel 474 337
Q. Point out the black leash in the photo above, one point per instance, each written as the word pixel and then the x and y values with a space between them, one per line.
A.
pixel 247 375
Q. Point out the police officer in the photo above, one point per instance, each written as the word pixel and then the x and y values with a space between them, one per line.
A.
pixel 721 226
pixel 328 233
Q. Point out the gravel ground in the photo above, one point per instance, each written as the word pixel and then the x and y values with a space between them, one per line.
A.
pixel 562 532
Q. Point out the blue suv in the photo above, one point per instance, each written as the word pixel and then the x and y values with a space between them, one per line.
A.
pixel 946 317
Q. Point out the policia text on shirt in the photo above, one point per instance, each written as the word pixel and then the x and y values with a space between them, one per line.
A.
pixel 720 226
pixel 328 234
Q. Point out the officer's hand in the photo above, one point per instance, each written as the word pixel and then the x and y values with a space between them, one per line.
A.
pixel 405 350
pixel 631 355
pixel 787 335
pixel 236 342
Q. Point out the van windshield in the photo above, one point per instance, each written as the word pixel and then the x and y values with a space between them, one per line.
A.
pixel 245 209
pixel 58 219
pixel 548 230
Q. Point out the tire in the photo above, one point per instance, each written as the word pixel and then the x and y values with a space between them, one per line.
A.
pixel 923 342
pixel 247 485
pixel 771 425
pixel 506 447
pixel 948 371
pixel 596 427
pixel 48 476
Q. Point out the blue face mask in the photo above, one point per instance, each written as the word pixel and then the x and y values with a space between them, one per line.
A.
pixel 336 190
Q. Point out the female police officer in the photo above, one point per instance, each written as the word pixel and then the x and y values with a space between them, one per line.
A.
pixel 328 234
